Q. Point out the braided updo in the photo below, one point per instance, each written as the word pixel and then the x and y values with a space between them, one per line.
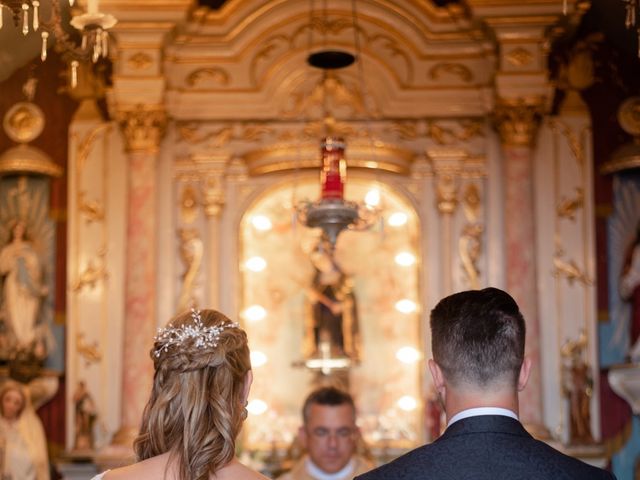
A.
pixel 196 406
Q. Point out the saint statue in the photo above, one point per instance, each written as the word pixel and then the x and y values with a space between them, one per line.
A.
pixel 333 318
pixel 578 388
pixel 21 435
pixel 23 289
pixel 85 411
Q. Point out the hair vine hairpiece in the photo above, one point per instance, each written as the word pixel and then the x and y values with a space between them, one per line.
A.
pixel 203 337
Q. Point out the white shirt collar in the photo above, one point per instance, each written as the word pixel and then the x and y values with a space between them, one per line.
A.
pixel 474 412
pixel 318 474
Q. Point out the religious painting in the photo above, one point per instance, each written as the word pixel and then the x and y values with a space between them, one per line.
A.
pixel 348 316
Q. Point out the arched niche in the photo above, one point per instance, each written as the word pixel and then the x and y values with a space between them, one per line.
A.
pixel 386 384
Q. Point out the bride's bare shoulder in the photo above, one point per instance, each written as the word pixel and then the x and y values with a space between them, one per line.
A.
pixel 151 468
pixel 237 471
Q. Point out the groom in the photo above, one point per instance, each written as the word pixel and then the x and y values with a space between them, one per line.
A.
pixel 478 367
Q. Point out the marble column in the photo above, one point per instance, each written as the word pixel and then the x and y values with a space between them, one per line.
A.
pixel 143 129
pixel 517 122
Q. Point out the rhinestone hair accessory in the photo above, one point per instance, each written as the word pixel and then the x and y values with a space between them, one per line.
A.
pixel 203 337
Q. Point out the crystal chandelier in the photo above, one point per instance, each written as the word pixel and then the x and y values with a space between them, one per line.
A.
pixel 92 25
pixel 332 213
pixel 631 17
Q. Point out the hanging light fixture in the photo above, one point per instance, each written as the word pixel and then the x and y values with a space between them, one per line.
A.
pixel 332 213
pixel 92 25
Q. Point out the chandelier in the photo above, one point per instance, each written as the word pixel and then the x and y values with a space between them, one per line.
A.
pixel 332 213
pixel 631 17
pixel 92 25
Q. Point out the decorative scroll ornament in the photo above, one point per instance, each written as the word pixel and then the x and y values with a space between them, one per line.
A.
pixel 569 270
pixel 90 352
pixel 447 193
pixel 567 207
pixel 94 272
pixel 470 247
pixel 91 210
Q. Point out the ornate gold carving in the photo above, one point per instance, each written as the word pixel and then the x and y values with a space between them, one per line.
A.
pixel 568 206
pixel 143 127
pixel 218 138
pixel 191 249
pixel 470 247
pixel 519 57
pixel 85 145
pixel 192 133
pixel 569 269
pixel 443 135
pixel 23 122
pixel 94 272
pixel 214 197
pixel 189 204
pixel 627 156
pixel 90 352
pixel 517 121
pixel 471 202
pixel 447 193
pixel 92 210
pixel 629 116
pixel 215 75
pixel 456 69
pixel 331 91
pixel 470 242
pixel 25 159
pixel 140 61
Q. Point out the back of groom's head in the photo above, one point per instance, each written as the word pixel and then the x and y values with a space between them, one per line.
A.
pixel 478 338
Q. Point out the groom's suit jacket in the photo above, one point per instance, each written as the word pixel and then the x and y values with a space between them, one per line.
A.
pixel 487 447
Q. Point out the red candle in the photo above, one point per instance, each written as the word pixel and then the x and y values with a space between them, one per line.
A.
pixel 334 168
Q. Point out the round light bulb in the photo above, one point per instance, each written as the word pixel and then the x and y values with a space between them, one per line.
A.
pixel 258 358
pixel 406 306
pixel 256 264
pixel 257 406
pixel 408 355
pixel 261 222
pixel 407 403
pixel 405 259
pixel 255 313
pixel 398 219
pixel 372 198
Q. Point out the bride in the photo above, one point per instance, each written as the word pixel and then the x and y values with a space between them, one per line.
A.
pixel 197 405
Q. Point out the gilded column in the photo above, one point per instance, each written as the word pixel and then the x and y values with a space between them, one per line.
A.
pixel 517 122
pixel 143 129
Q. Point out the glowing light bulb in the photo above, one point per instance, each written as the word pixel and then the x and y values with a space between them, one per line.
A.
pixel 255 313
pixel 256 264
pixel 372 198
pixel 258 358
pixel 398 219
pixel 408 355
pixel 261 222
pixel 257 406
pixel 406 306
pixel 407 403
pixel 405 259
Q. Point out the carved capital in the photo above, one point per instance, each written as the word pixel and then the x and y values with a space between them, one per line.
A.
pixel 517 121
pixel 143 127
